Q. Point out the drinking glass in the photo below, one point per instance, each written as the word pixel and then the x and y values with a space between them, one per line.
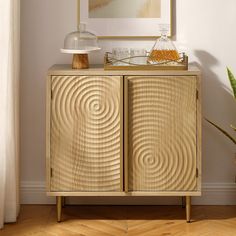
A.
pixel 139 56
pixel 120 54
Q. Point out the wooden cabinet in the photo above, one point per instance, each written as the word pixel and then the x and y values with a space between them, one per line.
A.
pixel 123 133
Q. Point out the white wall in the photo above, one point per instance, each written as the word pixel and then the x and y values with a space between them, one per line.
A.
pixel 204 29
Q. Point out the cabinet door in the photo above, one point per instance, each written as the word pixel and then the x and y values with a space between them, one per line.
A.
pixel 161 133
pixel 86 134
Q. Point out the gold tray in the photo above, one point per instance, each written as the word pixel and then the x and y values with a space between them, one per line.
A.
pixel 181 64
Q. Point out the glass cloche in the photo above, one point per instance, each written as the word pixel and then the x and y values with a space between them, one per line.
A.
pixel 164 49
pixel 80 43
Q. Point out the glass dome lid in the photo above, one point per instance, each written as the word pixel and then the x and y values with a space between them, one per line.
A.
pixel 80 42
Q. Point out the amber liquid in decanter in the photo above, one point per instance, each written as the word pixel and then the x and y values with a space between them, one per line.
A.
pixel 164 55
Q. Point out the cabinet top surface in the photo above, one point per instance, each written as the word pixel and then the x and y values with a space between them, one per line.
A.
pixel 99 70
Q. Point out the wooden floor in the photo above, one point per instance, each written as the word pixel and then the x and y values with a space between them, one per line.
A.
pixel 124 220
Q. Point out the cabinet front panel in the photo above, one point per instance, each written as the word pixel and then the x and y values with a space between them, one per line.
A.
pixel 161 133
pixel 86 133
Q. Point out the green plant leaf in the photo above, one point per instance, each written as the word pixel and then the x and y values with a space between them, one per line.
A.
pixel 233 127
pixel 232 81
pixel 222 131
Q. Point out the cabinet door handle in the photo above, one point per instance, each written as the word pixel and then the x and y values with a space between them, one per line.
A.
pixel 197 173
pixel 126 132
pixel 197 94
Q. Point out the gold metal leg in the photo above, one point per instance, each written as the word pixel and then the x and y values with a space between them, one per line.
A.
pixel 188 209
pixel 59 206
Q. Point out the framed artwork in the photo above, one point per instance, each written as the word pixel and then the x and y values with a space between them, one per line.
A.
pixel 125 18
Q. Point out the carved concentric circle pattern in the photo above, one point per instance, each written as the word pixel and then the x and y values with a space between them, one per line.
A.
pixel 162 133
pixel 85 133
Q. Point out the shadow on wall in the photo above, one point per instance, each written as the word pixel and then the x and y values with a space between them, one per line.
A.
pixel 214 92
pixel 219 106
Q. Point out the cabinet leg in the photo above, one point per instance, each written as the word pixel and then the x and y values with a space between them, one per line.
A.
pixel 59 206
pixel 188 209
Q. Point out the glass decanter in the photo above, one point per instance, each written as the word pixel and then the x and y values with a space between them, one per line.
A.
pixel 164 49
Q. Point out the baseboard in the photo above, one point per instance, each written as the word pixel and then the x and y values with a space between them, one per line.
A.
pixel 34 193
pixel 212 194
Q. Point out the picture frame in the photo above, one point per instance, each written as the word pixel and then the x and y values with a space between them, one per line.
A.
pixel 113 28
